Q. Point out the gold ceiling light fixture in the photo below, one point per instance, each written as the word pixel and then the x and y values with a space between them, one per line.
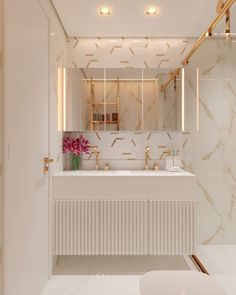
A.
pixel 152 10
pixel 105 10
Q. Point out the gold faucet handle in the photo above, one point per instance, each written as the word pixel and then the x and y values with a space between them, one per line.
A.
pixel 106 167
pixel 156 167
pixel 95 151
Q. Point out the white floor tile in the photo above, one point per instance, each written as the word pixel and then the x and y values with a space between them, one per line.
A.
pixel 93 285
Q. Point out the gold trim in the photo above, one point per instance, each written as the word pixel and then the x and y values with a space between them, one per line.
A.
pixel 168 134
pixel 172 76
pixel 224 11
pixel 99 138
pixel 115 47
pixel 225 8
pixel 131 50
pixel 116 139
pixel 149 136
pixel 145 63
pixel 199 264
pixel 133 142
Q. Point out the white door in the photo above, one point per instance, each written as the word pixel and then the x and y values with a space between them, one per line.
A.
pixel 26 99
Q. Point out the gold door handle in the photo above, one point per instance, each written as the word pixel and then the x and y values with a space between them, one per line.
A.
pixel 46 162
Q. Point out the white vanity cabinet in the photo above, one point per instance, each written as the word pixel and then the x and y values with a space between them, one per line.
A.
pixel 124 213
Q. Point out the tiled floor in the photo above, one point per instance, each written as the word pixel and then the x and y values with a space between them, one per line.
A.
pixel 220 261
pixel 106 275
pixel 117 265
pixel 93 285
pixel 121 275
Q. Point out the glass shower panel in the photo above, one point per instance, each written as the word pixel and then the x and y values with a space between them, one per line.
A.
pixel 210 152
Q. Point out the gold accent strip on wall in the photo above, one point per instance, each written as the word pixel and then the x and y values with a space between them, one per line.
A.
pixel 199 264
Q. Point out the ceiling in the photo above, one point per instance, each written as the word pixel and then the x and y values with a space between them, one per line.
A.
pixel 182 18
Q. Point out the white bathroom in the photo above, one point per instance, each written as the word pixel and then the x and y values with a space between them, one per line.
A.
pixel 118 140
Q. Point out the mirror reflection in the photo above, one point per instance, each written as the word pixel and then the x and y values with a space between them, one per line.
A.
pixel 122 99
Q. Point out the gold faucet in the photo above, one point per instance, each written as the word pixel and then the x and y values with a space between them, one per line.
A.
pixel 96 153
pixel 147 157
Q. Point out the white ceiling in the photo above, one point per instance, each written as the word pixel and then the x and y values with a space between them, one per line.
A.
pixel 182 18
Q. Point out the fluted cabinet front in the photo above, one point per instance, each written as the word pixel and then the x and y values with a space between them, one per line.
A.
pixel 123 227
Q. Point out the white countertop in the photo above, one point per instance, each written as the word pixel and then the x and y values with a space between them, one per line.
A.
pixel 123 173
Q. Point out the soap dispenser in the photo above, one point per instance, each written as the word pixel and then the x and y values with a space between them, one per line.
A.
pixel 173 161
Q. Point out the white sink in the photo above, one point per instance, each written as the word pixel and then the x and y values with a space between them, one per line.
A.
pixel 123 173
pixel 124 184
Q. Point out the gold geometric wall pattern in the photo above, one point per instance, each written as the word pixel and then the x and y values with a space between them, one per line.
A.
pixel 136 52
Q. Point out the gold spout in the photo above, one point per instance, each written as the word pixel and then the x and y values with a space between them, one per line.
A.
pixel 147 157
pixel 96 153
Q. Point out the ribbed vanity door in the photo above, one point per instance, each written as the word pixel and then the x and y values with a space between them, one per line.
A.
pixel 100 227
pixel 123 227
pixel 172 227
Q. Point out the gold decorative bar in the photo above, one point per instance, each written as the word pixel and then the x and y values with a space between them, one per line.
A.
pixel 207 33
pixel 224 11
pixel 172 76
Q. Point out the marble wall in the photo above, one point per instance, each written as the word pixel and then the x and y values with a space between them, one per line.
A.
pixel 210 153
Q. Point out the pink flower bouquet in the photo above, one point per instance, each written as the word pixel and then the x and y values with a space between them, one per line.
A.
pixel 76 147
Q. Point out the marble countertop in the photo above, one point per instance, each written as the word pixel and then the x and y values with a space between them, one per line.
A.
pixel 123 173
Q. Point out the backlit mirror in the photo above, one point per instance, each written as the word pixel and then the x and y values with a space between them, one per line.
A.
pixel 122 99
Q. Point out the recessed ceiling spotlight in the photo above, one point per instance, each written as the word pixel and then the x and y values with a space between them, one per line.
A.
pixel 136 41
pixel 105 10
pixel 152 10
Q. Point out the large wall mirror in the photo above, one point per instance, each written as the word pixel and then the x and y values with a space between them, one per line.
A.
pixel 123 99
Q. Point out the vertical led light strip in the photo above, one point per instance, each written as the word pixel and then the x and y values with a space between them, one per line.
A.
pixel 105 99
pixel 183 99
pixel 59 99
pixel 197 99
pixel 64 99
pixel 142 94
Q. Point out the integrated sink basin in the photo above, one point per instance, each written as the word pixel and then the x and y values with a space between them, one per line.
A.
pixel 124 173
